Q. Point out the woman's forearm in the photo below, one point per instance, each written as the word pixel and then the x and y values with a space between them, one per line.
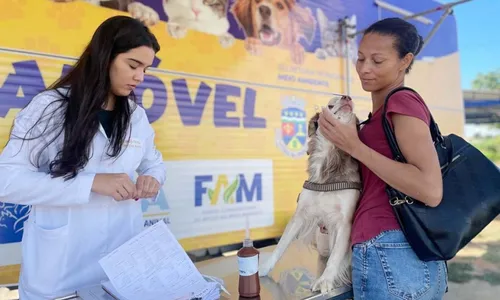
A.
pixel 406 178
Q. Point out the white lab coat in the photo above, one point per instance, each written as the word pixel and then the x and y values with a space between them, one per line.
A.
pixel 70 228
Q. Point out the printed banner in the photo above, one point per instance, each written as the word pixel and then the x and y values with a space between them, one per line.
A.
pixel 229 97
pixel 217 196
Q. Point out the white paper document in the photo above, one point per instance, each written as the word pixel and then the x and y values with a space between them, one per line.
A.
pixel 153 265
pixel 212 292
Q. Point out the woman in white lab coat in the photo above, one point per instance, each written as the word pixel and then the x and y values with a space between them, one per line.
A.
pixel 73 154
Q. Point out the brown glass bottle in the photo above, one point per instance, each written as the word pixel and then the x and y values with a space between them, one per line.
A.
pixel 249 298
pixel 248 265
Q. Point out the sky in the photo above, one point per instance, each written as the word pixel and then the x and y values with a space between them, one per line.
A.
pixel 478 26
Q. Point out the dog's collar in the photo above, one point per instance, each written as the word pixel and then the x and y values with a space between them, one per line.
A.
pixel 330 187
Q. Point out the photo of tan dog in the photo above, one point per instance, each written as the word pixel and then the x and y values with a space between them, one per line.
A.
pixel 279 23
pixel 137 10
pixel 328 198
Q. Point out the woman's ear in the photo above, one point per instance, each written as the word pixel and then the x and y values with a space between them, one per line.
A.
pixel 406 61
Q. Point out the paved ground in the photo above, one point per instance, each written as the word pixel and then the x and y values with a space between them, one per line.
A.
pixel 475 272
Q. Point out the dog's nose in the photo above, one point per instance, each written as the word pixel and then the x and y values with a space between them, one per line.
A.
pixel 346 99
pixel 265 11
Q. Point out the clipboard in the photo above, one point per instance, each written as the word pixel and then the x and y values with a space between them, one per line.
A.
pixel 95 292
pixel 107 286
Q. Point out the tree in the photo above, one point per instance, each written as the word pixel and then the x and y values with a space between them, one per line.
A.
pixel 489 81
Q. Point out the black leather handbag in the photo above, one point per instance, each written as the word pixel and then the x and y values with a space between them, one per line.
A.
pixel 471 196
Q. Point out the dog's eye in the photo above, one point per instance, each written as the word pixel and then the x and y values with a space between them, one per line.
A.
pixel 330 106
pixel 280 6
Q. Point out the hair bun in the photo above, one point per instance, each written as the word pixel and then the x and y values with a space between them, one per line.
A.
pixel 420 44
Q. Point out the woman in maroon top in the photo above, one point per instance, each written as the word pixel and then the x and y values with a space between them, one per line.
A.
pixel 384 266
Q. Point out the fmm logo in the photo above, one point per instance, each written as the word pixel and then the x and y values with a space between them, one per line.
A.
pixel 222 189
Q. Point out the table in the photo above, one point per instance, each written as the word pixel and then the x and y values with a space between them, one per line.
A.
pixel 291 278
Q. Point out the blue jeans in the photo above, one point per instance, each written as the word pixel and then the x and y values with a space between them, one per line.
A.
pixel 386 268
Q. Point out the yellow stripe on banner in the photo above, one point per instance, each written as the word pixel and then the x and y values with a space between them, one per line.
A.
pixel 9 274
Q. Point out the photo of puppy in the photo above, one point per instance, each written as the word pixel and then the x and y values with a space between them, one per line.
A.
pixel 331 37
pixel 329 198
pixel 208 16
pixel 137 10
pixel 279 23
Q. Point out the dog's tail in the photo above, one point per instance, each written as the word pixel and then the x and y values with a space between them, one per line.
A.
pixel 306 22
pixel 344 267
pixel 345 271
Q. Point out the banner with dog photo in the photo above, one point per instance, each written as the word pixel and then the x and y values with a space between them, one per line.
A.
pixel 229 96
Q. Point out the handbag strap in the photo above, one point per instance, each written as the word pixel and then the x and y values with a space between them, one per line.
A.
pixel 389 132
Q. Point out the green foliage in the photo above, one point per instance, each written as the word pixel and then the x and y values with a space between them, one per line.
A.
pixel 489 81
pixel 490 147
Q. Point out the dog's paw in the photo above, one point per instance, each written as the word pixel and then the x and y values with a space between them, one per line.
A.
pixel 264 269
pixel 253 46
pixel 324 284
pixel 298 53
pixel 143 13
pixel 176 31
pixel 226 40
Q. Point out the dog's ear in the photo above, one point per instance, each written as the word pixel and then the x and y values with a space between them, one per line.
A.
pixel 303 17
pixel 242 11
pixel 290 4
pixel 313 125
pixel 311 129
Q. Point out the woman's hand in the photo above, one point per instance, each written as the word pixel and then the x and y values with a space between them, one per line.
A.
pixel 343 136
pixel 119 186
pixel 147 186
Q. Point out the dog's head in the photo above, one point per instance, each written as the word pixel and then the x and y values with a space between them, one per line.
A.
pixel 266 20
pixel 334 159
pixel 342 109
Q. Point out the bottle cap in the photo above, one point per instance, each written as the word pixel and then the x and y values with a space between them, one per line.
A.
pixel 247 242
pixel 247 229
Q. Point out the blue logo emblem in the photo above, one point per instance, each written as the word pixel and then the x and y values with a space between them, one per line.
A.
pixel 12 217
pixel 160 202
pixel 291 138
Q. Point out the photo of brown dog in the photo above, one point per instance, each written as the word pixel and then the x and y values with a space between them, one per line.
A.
pixel 280 23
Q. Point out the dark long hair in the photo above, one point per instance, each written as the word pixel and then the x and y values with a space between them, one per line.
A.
pixel 84 91
pixel 406 37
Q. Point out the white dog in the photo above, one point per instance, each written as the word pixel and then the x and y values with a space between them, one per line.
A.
pixel 329 198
